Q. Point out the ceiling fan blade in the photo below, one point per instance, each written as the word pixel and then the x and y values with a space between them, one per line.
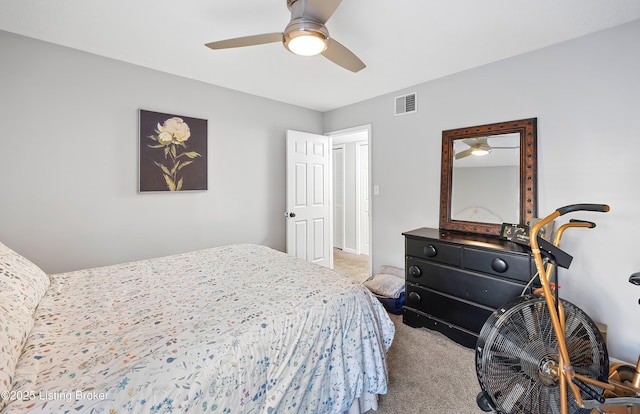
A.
pixel 463 154
pixel 475 141
pixel 319 10
pixel 246 41
pixel 342 56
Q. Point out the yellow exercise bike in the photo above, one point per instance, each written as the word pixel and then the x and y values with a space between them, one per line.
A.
pixel 539 354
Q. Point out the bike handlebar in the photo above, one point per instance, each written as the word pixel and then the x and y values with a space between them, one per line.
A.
pixel 590 224
pixel 583 207
pixel 535 229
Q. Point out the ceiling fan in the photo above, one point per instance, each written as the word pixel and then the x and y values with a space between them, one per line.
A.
pixel 305 35
pixel 477 146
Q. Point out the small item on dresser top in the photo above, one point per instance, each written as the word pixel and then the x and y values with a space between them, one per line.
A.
pixel 517 233
pixel 388 287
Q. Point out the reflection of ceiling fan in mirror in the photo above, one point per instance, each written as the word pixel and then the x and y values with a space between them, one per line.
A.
pixel 478 146
pixel 305 35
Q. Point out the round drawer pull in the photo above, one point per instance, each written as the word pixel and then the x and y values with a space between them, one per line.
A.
pixel 414 271
pixel 414 297
pixel 499 265
pixel 430 251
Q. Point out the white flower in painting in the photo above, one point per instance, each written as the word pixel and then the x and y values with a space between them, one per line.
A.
pixel 170 136
pixel 178 129
pixel 165 138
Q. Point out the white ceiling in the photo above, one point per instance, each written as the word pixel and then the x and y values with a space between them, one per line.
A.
pixel 402 42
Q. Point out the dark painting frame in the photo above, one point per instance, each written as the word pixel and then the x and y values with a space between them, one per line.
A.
pixel 173 152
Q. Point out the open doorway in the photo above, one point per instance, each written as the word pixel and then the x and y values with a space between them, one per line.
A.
pixel 351 201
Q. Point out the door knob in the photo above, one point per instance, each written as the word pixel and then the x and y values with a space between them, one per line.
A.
pixel 291 215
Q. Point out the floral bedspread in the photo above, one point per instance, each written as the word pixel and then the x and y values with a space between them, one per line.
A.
pixel 235 329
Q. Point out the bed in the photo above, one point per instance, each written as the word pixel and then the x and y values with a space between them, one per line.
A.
pixel 233 329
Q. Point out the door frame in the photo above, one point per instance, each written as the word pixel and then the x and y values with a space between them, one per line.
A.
pixel 359 145
pixel 341 235
pixel 349 131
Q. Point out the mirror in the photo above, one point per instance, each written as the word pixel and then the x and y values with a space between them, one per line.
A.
pixel 488 176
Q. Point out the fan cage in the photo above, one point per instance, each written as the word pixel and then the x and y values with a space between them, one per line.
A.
pixel 516 347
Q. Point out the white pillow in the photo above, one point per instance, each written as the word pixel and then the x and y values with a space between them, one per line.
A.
pixel 391 270
pixel 22 285
pixel 386 285
pixel 22 278
pixel 15 325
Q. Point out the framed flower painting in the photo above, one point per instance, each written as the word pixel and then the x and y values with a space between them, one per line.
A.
pixel 173 152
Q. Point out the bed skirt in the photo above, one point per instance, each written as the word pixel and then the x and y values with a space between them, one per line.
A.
pixel 363 404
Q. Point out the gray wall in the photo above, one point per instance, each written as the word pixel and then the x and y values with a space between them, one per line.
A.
pixel 495 188
pixel 69 163
pixel 585 94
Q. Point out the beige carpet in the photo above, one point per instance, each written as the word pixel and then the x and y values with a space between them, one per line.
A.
pixel 356 266
pixel 428 373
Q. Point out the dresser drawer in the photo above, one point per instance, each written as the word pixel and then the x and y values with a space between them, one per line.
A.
pixel 418 319
pixel 430 250
pixel 474 287
pixel 460 313
pixel 501 264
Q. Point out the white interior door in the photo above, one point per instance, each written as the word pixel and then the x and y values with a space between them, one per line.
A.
pixel 309 230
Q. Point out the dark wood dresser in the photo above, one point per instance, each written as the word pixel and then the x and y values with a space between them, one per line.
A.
pixel 454 281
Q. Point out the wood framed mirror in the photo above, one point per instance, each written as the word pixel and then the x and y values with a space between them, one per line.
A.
pixel 480 192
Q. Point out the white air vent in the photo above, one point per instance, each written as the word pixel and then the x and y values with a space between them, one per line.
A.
pixel 406 104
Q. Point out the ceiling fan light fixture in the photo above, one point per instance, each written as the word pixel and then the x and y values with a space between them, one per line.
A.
pixel 305 43
pixel 305 37
pixel 480 150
